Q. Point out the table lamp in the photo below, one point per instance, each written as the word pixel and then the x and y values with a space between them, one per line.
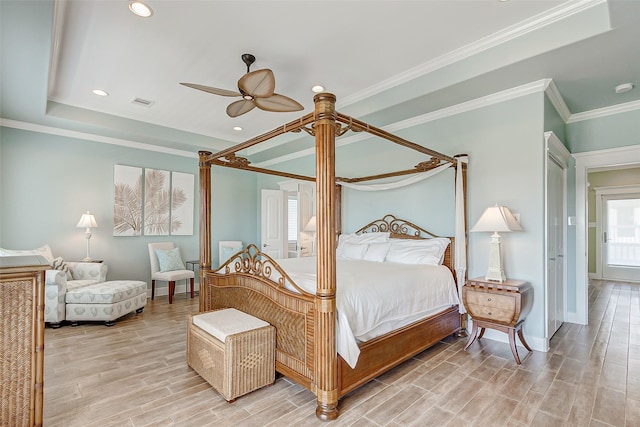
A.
pixel 311 228
pixel 87 221
pixel 496 219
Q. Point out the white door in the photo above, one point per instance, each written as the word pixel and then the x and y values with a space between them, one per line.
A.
pixel 621 236
pixel 305 212
pixel 274 223
pixel 555 246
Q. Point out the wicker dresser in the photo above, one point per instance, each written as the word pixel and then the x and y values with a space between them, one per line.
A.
pixel 22 340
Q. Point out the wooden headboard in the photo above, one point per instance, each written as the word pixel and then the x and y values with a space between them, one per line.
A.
pixel 403 229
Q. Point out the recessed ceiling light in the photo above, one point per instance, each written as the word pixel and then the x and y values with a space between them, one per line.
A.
pixel 317 89
pixel 100 92
pixel 238 128
pixel 624 87
pixel 140 8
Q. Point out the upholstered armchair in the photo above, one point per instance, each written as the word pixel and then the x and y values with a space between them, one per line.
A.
pixel 58 282
pixel 63 277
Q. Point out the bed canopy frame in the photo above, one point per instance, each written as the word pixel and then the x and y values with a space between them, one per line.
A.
pixel 325 124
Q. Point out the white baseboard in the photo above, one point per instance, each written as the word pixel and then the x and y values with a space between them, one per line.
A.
pixel 572 317
pixel 536 343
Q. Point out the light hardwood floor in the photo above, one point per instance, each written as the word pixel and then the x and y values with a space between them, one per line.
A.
pixel 135 374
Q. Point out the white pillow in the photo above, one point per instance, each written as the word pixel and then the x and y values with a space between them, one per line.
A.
pixel 377 237
pixel 423 251
pixel 352 250
pixel 44 251
pixel 377 252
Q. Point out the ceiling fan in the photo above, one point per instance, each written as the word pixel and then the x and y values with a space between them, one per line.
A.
pixel 256 89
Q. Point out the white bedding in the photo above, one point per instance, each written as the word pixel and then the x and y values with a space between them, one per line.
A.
pixel 374 298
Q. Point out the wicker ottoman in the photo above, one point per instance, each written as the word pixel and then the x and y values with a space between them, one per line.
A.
pixel 232 351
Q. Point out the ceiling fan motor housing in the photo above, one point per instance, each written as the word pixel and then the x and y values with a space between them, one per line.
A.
pixel 248 59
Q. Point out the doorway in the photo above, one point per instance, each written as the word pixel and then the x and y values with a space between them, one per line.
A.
pixel 618 233
pixel 585 162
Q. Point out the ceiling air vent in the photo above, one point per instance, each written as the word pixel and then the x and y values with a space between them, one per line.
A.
pixel 142 102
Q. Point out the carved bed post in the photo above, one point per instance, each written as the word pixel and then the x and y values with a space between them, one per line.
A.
pixel 463 317
pixel 338 212
pixel 326 369
pixel 205 223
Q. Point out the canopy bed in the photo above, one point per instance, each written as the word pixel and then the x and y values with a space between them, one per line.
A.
pixel 308 317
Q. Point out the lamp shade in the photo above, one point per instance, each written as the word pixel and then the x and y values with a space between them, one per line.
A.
pixel 497 218
pixel 87 221
pixel 311 225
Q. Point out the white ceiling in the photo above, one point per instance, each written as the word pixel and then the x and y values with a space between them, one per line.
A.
pixel 384 60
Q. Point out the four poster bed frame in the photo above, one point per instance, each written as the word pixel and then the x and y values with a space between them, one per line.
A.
pixel 306 349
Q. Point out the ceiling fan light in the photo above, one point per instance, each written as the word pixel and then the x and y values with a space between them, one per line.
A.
pixel 247 97
pixel 317 89
pixel 140 8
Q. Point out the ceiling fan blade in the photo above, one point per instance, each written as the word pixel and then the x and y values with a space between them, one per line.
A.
pixel 259 83
pixel 213 90
pixel 278 103
pixel 238 108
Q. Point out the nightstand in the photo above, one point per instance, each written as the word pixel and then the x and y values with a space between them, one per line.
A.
pixel 500 306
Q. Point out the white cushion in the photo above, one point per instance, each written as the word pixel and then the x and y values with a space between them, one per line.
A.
pixel 359 239
pixel 377 252
pixel 229 321
pixel 427 251
pixel 172 276
pixel 352 250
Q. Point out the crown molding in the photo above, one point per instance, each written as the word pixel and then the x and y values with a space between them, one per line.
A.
pixel 535 23
pixel 605 111
pixel 59 13
pixel 496 98
pixel 92 137
pixel 558 102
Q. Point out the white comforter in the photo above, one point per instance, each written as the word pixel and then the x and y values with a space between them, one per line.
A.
pixel 374 298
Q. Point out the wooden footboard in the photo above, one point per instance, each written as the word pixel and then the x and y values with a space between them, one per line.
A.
pixel 254 288
pixel 257 287
pixel 389 350
pixel 293 317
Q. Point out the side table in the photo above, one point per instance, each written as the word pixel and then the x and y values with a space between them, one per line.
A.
pixel 500 306
pixel 192 265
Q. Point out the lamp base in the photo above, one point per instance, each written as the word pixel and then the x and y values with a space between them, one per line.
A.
pixel 495 276
pixel 495 273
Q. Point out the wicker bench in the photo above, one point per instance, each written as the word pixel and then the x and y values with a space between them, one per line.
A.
pixel 232 351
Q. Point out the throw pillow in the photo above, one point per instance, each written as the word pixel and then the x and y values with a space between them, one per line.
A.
pixel 170 259
pixel 60 264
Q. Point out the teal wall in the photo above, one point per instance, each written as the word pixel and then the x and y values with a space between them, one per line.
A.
pixel 506 150
pixel 48 181
pixel 619 130
pixel 553 122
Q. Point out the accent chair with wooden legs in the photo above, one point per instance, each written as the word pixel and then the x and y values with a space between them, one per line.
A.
pixel 167 265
